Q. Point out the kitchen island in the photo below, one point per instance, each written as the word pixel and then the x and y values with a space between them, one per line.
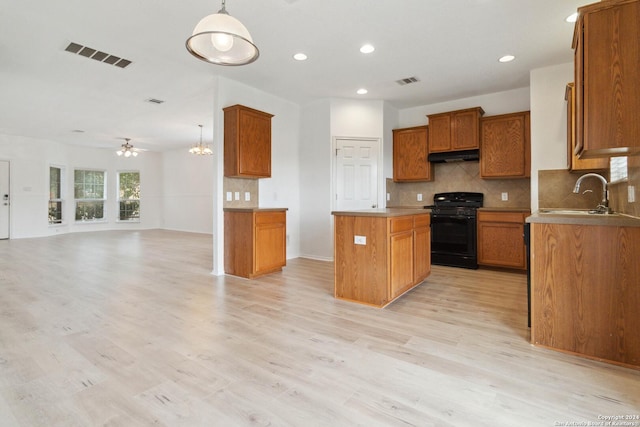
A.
pixel 380 254
pixel 585 285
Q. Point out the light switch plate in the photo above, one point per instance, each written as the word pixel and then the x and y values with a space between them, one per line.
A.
pixel 236 195
pixel 419 197
pixel 631 193
pixel 229 196
pixel 247 196
pixel 505 196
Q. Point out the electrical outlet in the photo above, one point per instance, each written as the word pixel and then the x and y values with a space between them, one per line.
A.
pixel 247 196
pixel 360 240
pixel 236 195
pixel 229 196
pixel 505 196
pixel 419 197
pixel 631 193
pixel 388 196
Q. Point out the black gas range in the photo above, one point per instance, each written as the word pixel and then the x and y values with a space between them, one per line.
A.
pixel 454 228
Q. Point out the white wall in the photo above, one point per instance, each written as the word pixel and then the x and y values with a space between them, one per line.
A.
pixel 187 185
pixel 548 121
pixel 30 160
pixel 510 101
pixel 316 240
pixel 283 188
pixel 321 122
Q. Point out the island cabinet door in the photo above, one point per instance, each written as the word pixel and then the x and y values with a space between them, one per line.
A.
pixel 401 255
pixel 422 247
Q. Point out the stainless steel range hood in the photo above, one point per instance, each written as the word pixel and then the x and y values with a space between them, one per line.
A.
pixel 455 156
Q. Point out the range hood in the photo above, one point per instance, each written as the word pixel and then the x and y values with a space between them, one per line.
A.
pixel 455 156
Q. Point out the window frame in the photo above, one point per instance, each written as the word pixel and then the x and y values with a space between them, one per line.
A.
pixel 120 200
pixel 77 200
pixel 61 196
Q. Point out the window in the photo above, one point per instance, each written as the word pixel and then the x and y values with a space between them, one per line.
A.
pixel 618 169
pixel 89 192
pixel 129 196
pixel 55 195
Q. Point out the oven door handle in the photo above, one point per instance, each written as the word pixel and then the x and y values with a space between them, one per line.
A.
pixel 453 216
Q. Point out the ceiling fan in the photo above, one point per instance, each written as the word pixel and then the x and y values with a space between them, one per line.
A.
pixel 128 150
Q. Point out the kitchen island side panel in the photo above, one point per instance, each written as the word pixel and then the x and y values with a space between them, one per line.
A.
pixel 361 269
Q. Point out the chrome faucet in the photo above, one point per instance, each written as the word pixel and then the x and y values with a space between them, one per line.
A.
pixel 603 207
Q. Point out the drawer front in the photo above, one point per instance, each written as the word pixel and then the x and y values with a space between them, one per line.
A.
pixel 403 223
pixel 517 217
pixel 420 221
pixel 270 217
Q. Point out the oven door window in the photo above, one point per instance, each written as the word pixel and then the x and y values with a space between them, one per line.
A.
pixel 453 234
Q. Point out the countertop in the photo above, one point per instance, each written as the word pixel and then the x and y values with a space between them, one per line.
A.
pixel 504 209
pixel 384 212
pixel 620 220
pixel 254 209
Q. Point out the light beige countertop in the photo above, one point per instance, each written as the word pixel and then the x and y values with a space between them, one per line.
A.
pixel 619 220
pixel 384 212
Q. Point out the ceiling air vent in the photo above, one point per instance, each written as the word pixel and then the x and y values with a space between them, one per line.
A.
pixel 88 52
pixel 407 81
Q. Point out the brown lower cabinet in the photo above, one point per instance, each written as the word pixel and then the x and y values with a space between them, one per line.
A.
pixel 379 257
pixel 501 239
pixel 585 290
pixel 255 241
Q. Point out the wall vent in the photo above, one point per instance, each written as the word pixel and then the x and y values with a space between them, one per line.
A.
pixel 407 81
pixel 100 56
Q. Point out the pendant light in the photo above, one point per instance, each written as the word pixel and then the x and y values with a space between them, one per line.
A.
pixel 201 149
pixel 221 39
pixel 127 149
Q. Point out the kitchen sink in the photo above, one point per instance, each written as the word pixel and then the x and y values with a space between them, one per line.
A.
pixel 573 212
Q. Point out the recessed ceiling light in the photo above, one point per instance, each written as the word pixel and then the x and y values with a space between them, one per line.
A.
pixel 362 91
pixel 507 58
pixel 367 48
pixel 300 57
pixel 572 18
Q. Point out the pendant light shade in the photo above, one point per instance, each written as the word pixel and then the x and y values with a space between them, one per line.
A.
pixel 221 39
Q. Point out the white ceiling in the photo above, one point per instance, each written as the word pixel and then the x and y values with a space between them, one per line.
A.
pixel 451 46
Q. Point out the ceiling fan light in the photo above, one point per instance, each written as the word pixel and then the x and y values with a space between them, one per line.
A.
pixel 221 39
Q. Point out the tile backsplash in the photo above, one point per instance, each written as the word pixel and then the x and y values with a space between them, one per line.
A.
pixel 241 187
pixel 460 176
pixel 555 190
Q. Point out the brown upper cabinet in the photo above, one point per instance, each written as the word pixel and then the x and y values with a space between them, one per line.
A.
pixel 574 163
pixel 410 151
pixel 247 142
pixel 505 148
pixel 607 78
pixel 454 130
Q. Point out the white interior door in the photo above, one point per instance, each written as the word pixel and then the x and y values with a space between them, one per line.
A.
pixel 4 199
pixel 356 181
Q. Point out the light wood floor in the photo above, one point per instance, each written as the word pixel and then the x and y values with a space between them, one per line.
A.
pixel 131 329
